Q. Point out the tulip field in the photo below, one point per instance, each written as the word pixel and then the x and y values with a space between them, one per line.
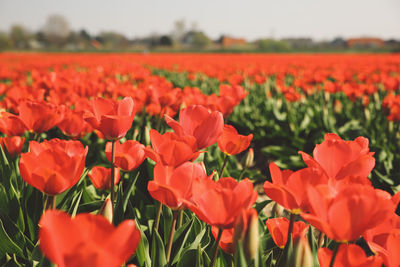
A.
pixel 199 160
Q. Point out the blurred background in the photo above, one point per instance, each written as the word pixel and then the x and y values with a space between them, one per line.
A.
pixel 209 26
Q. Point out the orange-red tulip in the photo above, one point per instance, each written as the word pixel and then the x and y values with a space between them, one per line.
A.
pixel 11 124
pixel 128 155
pixel 171 186
pixel 226 242
pixel 278 228
pixel 170 149
pixel 348 255
pixel 112 118
pixel 219 203
pixel 101 177
pixel 73 124
pixel 86 240
pixel 39 116
pixel 338 158
pixel 53 166
pixel 13 144
pixel 232 143
pixel 199 122
pixel 289 189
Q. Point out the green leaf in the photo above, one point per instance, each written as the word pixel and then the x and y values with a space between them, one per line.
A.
pixel 157 251
pixel 7 245
pixel 180 239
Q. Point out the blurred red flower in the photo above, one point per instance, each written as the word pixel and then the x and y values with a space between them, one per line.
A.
pixel 11 124
pixel 13 144
pixel 232 143
pixel 199 122
pixel 348 255
pixel 128 155
pixel 101 177
pixel 278 228
pixel 86 240
pixel 53 166
pixel 112 118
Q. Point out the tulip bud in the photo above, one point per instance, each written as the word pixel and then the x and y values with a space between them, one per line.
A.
pixel 246 230
pixel 302 256
pixel 249 158
pixel 107 210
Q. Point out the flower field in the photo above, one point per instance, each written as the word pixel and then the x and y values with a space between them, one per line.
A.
pixel 199 160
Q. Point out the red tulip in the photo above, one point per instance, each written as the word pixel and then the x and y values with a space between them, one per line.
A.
pixel 219 203
pixel 73 124
pixel 348 255
pixel 11 124
pixel 170 149
pixel 226 242
pixel 38 116
pixel 171 186
pixel 338 158
pixel 113 119
pixel 53 166
pixel 289 189
pixel 101 177
pixel 232 143
pixel 278 228
pixel 246 231
pixel 197 121
pixel 349 212
pixel 13 144
pixel 128 155
pixel 86 240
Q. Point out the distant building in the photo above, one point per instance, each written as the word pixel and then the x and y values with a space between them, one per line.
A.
pixel 365 42
pixel 227 41
pixel 338 42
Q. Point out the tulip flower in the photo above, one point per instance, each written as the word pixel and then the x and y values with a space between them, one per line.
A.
pixel 246 230
pixel 232 143
pixel 53 166
pixel 101 177
pixel 112 118
pixel 347 214
pixel 171 186
pixel 278 228
pixel 11 124
pixel 13 144
pixel 86 240
pixel 338 158
pixel 219 203
pixel 171 149
pixel 289 189
pixel 73 125
pixel 38 116
pixel 347 255
pixel 198 122
pixel 226 240
pixel 128 156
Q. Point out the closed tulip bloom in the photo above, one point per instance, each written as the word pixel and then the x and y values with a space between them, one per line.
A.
pixel 349 212
pixel 246 230
pixel 199 122
pixel 73 125
pixel 338 158
pixel 39 116
pixel 348 255
pixel 112 118
pixel 219 203
pixel 128 155
pixel 86 240
pixel 101 177
pixel 171 186
pixel 226 242
pixel 289 189
pixel 171 149
pixel 232 143
pixel 11 124
pixel 278 228
pixel 13 144
pixel 53 166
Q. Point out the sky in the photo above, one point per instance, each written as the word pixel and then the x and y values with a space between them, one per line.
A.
pixel 251 19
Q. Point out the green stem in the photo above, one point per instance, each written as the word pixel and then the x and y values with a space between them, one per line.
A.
pixel 50 202
pixel 290 230
pixel 221 172
pixel 171 235
pixel 215 249
pixel 112 173
pixel 157 223
pixel 320 239
pixel 242 173
pixel 180 219
pixel 334 255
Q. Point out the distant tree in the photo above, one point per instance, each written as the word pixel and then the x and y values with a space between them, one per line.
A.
pixel 19 37
pixel 200 40
pixel 271 45
pixel 5 41
pixel 56 30
pixel 112 40
pixel 85 35
pixel 165 40
pixel 179 31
